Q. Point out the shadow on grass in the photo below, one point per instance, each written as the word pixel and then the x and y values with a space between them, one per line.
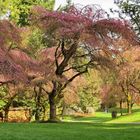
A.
pixel 98 118
pixel 93 119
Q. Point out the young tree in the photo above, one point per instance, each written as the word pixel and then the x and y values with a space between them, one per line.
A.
pixel 111 96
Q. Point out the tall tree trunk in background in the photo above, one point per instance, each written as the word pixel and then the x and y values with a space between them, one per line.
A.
pixel 7 106
pixel 129 104
pixel 129 107
pixel 6 112
pixel 121 107
pixel 64 107
pixel 38 103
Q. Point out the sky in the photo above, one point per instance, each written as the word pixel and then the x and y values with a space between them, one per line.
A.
pixel 105 4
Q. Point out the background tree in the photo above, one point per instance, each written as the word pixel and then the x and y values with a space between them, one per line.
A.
pixel 108 93
pixel 112 97
pixel 89 91
pixel 124 86
pixel 129 73
pixel 19 10
pixel 14 67
pixel 131 9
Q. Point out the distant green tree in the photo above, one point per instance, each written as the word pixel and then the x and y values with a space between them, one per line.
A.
pixel 3 93
pixel 19 10
pixel 89 93
pixel 131 8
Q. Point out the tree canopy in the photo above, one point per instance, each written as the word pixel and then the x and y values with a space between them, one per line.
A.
pixel 80 39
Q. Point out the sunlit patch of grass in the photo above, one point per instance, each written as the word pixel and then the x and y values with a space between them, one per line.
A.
pixel 131 118
pixel 102 117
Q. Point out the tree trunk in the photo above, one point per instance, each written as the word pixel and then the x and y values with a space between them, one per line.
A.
pixel 129 107
pixel 1 115
pixel 38 104
pixel 43 112
pixel 57 88
pixel 6 111
pixel 7 106
pixel 64 107
pixel 121 107
pixel 52 107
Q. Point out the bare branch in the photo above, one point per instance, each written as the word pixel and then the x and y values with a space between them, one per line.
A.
pixel 63 48
pixel 76 67
pixel 72 78
pixel 56 61
pixel 135 87
pixel 45 90
pixel 6 82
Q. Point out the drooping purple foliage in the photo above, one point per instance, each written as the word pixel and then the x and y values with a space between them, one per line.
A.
pixel 9 70
pixel 76 26
pixel 88 22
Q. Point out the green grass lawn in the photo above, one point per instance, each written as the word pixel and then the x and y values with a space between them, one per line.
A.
pixel 69 131
pixel 98 127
